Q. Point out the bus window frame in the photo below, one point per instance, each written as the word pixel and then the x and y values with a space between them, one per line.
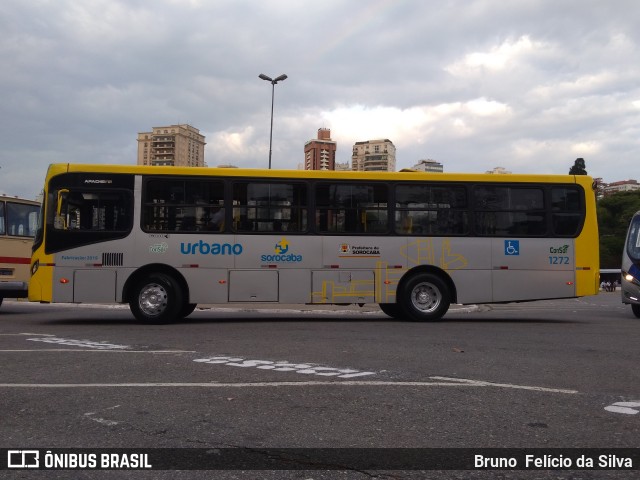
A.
pixel 302 190
pixel 406 226
pixel 202 225
pixel 353 215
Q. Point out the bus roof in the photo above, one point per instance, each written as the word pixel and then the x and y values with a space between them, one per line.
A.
pixel 57 169
pixel 10 198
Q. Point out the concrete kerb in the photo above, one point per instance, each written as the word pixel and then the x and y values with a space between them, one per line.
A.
pixel 352 309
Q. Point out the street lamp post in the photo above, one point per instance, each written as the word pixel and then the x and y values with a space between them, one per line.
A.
pixel 273 86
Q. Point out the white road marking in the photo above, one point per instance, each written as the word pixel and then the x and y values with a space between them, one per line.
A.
pixel 284 366
pixel 80 343
pixel 103 421
pixel 82 350
pixel 350 383
pixel 30 334
pixel 281 366
pixel 628 408
pixel 85 345
pixel 481 383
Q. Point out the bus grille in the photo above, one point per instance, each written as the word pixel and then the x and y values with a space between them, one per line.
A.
pixel 112 259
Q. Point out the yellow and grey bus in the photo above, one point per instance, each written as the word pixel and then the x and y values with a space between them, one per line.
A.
pixel 164 239
pixel 630 283
pixel 18 223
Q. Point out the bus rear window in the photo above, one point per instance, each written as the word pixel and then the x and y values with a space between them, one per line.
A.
pixel 566 210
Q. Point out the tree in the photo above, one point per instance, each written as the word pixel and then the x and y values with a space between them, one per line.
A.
pixel 579 167
pixel 614 215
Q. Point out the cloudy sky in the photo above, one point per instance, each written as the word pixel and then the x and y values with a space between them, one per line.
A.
pixel 529 85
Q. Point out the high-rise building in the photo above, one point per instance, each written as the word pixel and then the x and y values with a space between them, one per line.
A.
pixel 428 166
pixel 374 155
pixel 174 145
pixel 320 153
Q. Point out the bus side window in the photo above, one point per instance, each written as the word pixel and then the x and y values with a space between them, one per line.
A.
pixel 351 208
pixel 269 207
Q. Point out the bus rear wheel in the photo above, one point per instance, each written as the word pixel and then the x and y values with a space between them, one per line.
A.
pixel 391 309
pixel 635 308
pixel 157 298
pixel 425 297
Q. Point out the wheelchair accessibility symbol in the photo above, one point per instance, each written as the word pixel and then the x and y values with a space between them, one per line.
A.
pixel 512 247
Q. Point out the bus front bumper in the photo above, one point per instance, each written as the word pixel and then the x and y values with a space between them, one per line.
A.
pixel 14 289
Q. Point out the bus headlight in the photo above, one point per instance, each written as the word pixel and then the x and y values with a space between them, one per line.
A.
pixel 34 267
pixel 630 277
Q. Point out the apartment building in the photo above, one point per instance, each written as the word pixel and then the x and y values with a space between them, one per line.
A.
pixel 320 153
pixel 428 166
pixel 621 186
pixel 499 171
pixel 173 145
pixel 374 155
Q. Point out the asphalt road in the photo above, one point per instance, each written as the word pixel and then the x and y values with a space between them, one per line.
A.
pixel 536 375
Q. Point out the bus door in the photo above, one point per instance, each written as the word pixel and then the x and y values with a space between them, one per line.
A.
pixel 85 232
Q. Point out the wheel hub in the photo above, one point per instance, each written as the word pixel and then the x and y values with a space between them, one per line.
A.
pixel 426 297
pixel 153 299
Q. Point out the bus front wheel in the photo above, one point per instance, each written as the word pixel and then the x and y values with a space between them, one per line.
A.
pixel 157 298
pixel 187 309
pixel 635 308
pixel 425 297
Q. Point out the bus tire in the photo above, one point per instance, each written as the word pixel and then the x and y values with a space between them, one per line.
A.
pixel 391 309
pixel 425 297
pixel 187 309
pixel 157 299
pixel 635 308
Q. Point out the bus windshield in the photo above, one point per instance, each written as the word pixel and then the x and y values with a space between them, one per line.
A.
pixel 633 239
pixel 18 219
